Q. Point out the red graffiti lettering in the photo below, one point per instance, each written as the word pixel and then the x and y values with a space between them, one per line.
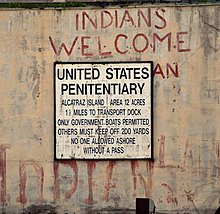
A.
pixel 127 19
pixel 73 186
pixel 180 42
pixel 199 160
pixel 123 44
pixel 161 151
pixel 85 46
pixel 175 71
pixel 108 184
pixel 144 43
pixel 158 70
pixel 93 22
pixel 185 156
pixel 217 150
pixel 134 165
pixel 101 53
pixel 3 148
pixel 103 19
pixel 147 184
pixel 63 46
pixel 90 169
pixel 161 17
pixel 141 16
pixel 162 146
pixel 165 71
pixel 23 179
pixel 77 21
pixel 117 43
pixel 170 195
pixel 156 38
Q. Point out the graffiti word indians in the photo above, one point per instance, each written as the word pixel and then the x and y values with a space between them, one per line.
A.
pixel 106 33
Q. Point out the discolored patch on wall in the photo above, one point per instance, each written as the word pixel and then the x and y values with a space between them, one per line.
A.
pixel 40 209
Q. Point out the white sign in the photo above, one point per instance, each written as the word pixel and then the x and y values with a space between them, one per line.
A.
pixel 103 110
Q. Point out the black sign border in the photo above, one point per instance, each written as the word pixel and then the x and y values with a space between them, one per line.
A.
pixel 152 111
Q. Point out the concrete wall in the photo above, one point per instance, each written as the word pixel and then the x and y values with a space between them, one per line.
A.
pixel 111 2
pixel 183 42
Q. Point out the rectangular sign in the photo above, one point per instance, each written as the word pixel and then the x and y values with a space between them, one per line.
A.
pixel 103 110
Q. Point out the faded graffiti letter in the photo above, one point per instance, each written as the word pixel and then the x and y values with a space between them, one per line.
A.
pixel 3 148
pixel 23 178
pixel 74 183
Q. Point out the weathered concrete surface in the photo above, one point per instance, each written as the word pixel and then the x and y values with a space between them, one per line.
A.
pixel 101 2
pixel 184 43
